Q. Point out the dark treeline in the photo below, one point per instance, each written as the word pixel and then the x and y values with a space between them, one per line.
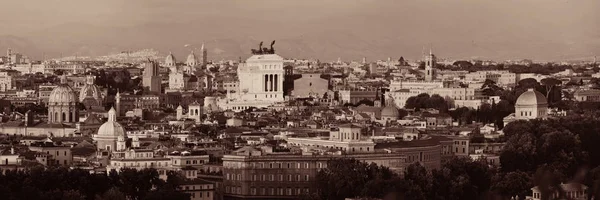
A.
pixel 537 68
pixel 542 153
pixel 79 184
pixel 459 178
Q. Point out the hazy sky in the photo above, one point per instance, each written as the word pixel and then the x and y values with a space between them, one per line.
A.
pixel 351 29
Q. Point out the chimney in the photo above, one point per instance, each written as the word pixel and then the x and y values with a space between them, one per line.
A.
pixel 12 150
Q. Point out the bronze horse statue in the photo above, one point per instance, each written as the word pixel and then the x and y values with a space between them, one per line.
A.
pixel 259 50
pixel 272 49
pixel 265 50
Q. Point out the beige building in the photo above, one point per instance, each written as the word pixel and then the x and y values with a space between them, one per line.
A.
pixel 457 96
pixel 587 95
pixel 310 85
pixel 178 80
pixel 251 173
pixel 411 84
pixel 500 77
pixel 347 138
pixel 128 102
pixel 7 82
pixel 574 191
pixel 355 96
pixel 151 77
pixel 198 189
pixel 60 155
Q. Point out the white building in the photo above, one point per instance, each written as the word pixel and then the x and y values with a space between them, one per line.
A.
pixel 348 138
pixel 500 77
pixel 260 83
pixel 530 105
pixel 7 82
pixel 407 84
pixel 194 112
pixel 178 80
pixel 456 96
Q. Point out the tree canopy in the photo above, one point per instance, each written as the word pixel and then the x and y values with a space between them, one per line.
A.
pixel 79 184
pixel 424 101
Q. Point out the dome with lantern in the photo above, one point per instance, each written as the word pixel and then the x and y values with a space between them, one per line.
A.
pixel 112 128
pixel 90 94
pixel 390 111
pixel 531 105
pixel 170 60
pixel 62 104
pixel 192 60
pixel 109 133
pixel 62 94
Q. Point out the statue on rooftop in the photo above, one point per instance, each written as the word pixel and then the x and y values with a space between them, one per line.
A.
pixel 261 50
pixel 272 51
pixel 258 51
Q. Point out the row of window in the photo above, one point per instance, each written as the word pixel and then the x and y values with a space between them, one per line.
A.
pixel 57 153
pixel 278 191
pixel 270 177
pixel 200 187
pixel 268 191
pixel 189 162
pixel 137 164
pixel 193 194
pixel 285 165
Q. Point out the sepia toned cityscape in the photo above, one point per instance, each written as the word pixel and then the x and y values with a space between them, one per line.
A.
pixel 307 100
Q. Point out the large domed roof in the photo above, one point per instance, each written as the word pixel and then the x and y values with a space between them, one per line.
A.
pixel 170 59
pixel 192 59
pixel 531 97
pixel 90 90
pixel 62 94
pixel 390 111
pixel 111 128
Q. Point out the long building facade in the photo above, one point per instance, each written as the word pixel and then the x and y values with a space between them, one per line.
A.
pixel 252 174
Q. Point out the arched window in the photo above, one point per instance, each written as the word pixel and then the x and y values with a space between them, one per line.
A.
pixel 64 117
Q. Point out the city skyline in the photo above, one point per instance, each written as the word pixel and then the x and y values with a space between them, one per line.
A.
pixel 533 29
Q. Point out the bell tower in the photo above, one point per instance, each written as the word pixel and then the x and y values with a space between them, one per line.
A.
pixel 430 62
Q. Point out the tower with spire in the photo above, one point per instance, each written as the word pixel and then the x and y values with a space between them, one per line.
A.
pixel 430 62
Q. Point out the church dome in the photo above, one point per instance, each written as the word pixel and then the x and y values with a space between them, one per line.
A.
pixel 170 60
pixel 390 111
pixel 192 60
pixel 111 128
pixel 90 90
pixel 63 94
pixel 531 97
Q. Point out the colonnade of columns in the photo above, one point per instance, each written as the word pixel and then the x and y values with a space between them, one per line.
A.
pixel 271 82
